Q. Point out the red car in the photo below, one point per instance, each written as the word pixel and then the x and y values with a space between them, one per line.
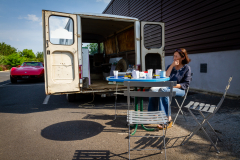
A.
pixel 28 70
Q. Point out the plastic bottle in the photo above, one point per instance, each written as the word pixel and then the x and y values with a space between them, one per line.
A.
pixel 129 71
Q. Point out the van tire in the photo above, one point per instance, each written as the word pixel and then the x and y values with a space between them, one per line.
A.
pixel 122 65
pixel 71 97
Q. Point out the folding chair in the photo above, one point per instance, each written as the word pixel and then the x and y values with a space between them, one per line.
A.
pixel 153 117
pixel 115 104
pixel 180 107
pixel 211 110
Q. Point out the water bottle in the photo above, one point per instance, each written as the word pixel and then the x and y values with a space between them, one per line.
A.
pixel 129 71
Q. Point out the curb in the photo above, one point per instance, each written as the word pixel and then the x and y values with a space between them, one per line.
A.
pixel 5 71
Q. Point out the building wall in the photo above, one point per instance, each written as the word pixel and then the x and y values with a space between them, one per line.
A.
pixel 220 66
pixel 200 26
pixel 209 30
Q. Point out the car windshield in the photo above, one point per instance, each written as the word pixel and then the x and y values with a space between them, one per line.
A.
pixel 32 64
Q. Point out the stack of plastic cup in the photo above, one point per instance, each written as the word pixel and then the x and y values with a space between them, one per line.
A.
pixel 115 73
pixel 157 71
pixel 135 74
pixel 149 74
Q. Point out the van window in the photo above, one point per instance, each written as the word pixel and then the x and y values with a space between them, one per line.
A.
pixel 61 30
pixel 152 36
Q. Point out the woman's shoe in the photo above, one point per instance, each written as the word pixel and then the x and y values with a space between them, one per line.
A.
pixel 166 126
pixel 170 123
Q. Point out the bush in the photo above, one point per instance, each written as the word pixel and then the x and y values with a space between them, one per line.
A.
pixel 14 60
pixel 1 69
pixel 30 59
pixel 40 60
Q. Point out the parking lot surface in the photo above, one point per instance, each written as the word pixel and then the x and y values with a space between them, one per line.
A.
pixel 59 130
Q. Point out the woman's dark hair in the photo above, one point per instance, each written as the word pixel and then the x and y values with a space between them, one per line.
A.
pixel 183 53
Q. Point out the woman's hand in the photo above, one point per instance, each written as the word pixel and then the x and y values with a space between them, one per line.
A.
pixel 175 63
pixel 177 86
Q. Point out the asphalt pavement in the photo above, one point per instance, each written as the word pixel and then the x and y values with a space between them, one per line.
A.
pixel 59 130
pixel 4 77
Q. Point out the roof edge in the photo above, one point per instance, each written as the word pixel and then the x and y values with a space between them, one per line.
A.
pixel 106 15
pixel 107 6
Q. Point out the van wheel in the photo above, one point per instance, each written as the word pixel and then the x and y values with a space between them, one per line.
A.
pixel 71 97
pixel 122 65
pixel 13 80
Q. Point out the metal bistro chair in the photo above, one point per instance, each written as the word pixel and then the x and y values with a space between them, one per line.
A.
pixel 180 107
pixel 115 104
pixel 152 117
pixel 211 110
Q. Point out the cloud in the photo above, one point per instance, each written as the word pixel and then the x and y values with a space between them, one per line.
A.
pixel 105 1
pixel 61 33
pixel 56 22
pixel 31 17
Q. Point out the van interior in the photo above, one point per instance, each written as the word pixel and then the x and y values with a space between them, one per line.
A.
pixel 118 40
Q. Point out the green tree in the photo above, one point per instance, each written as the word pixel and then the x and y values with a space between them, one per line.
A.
pixel 6 49
pixel 14 60
pixel 93 47
pixel 27 53
pixel 39 54
pixel 2 59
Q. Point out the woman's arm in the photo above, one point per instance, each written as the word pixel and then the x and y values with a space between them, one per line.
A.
pixel 169 70
pixel 186 79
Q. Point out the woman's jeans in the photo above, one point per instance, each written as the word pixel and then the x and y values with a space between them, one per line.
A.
pixel 163 101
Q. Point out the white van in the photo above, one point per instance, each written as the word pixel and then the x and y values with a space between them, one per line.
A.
pixel 68 70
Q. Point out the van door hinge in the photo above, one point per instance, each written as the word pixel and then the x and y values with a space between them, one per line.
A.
pixel 137 39
pixel 47 43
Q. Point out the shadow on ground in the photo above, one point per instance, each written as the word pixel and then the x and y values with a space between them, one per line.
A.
pixel 5 82
pixel 91 154
pixel 72 130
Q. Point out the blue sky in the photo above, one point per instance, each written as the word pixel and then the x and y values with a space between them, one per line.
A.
pixel 20 20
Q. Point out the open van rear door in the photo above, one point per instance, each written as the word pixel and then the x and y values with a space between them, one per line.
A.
pixel 60 48
pixel 152 46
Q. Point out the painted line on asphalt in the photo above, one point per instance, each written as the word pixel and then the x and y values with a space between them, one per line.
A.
pixel 46 99
pixel 4 84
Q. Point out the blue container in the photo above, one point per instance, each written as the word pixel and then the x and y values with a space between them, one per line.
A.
pixel 163 74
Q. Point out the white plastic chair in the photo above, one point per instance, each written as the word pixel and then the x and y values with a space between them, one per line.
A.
pixel 152 117
pixel 211 110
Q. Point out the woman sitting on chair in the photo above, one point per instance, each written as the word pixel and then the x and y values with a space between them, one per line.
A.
pixel 178 71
